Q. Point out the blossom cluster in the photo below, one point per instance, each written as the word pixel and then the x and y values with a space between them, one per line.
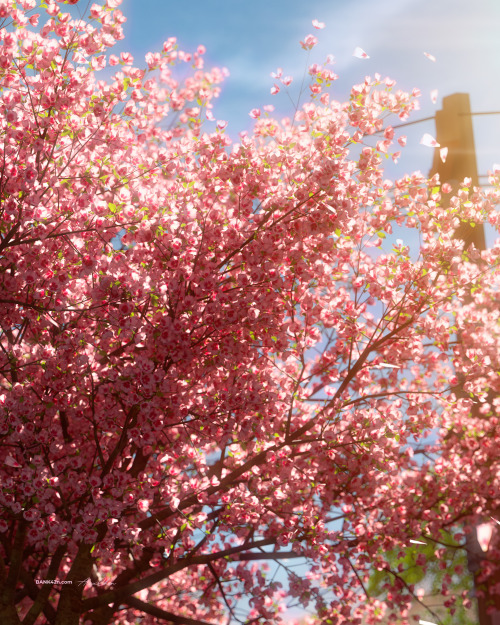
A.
pixel 251 371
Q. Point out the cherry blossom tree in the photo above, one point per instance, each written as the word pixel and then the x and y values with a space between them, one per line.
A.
pixel 244 381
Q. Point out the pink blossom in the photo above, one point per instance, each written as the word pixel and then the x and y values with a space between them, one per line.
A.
pixel 174 503
pixel 309 42
pixel 98 62
pixel 253 313
pixel 32 514
pixel 127 58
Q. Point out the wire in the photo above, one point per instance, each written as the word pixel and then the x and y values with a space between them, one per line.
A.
pixel 417 121
pixel 483 113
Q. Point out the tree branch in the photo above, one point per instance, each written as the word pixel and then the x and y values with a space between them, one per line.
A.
pixel 170 617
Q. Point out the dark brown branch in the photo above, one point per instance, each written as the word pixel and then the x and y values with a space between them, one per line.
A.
pixel 15 564
pixel 169 617
pixel 114 596
pixel 130 421
pixel 42 597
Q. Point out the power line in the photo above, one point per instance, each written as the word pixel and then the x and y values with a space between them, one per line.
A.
pixel 483 113
pixel 417 121
pixel 426 119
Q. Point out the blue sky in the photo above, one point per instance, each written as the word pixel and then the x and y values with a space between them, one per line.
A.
pixel 253 38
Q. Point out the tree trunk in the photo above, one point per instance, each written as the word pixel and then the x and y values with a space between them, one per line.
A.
pixel 70 601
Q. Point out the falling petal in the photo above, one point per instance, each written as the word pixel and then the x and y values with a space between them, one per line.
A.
pixel 359 53
pixel 498 522
pixel 417 542
pixel 426 622
pixel 318 25
pixel 484 532
pixel 430 57
pixel 429 141
pixel 12 462
pixel 434 96
pixel 443 153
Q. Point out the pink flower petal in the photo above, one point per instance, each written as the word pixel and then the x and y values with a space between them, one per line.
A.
pixel 318 25
pixel 430 57
pixel 443 153
pixel 309 42
pixel 12 462
pixel 359 53
pixel 429 141
pixel 434 96
pixel 484 532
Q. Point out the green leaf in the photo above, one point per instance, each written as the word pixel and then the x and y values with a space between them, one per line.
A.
pixel 414 575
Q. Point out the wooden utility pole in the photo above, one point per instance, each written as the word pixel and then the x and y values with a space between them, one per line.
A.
pixel 454 131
